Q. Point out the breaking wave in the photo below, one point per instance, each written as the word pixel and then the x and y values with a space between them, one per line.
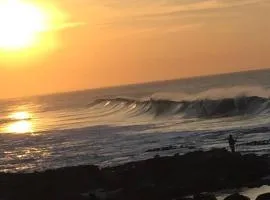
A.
pixel 202 108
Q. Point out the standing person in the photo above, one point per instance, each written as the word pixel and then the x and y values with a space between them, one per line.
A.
pixel 232 142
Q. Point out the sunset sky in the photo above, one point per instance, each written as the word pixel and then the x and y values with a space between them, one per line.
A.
pixel 98 43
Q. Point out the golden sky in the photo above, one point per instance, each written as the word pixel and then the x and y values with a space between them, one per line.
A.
pixel 97 43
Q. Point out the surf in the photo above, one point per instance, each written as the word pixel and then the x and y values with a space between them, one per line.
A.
pixel 200 108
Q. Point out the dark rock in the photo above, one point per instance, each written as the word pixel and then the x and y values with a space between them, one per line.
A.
pixel 176 155
pixel 237 196
pixel 98 194
pixel 183 198
pixel 157 156
pixel 166 148
pixel 205 196
pixel 265 196
pixel 187 147
pixel 160 178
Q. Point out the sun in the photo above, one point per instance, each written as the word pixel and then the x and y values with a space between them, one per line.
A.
pixel 21 23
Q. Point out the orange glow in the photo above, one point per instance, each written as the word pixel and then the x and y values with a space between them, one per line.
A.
pixel 91 44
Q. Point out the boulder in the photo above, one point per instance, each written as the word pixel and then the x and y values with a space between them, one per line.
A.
pixel 265 196
pixel 237 196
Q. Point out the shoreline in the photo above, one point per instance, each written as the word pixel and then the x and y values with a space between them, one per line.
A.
pixel 159 178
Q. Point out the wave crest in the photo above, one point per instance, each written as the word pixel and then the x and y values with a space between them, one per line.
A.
pixel 203 108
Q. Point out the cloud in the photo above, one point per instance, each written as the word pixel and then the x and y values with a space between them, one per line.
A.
pixel 138 17
pixel 151 31
pixel 175 7
pixel 145 12
pixel 156 6
pixel 185 27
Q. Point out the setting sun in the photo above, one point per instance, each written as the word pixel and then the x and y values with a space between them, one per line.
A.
pixel 20 24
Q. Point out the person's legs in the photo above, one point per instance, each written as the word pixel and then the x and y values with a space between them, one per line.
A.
pixel 232 147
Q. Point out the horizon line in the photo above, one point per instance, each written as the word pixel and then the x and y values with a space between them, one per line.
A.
pixel 133 84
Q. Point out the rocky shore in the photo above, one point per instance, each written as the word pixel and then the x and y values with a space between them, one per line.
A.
pixel 160 178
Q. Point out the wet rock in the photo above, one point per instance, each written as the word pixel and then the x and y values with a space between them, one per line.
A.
pixel 159 178
pixel 265 196
pixel 98 194
pixel 205 196
pixel 183 198
pixel 202 196
pixel 237 196
pixel 176 155
pixel 157 156
pixel 170 147
pixel 187 147
pixel 102 194
pixel 166 148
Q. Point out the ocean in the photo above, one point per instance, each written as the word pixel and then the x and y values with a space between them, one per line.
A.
pixel 112 126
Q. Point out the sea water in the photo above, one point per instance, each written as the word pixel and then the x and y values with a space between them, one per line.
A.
pixel 112 126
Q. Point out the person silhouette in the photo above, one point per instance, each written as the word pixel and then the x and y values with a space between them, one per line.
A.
pixel 232 142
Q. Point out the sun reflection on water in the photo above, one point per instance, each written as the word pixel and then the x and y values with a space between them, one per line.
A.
pixel 20 127
pixel 21 123
pixel 24 158
pixel 20 116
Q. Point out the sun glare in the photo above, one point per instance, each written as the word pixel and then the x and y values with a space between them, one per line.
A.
pixel 20 123
pixel 20 24
pixel 20 116
pixel 20 127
